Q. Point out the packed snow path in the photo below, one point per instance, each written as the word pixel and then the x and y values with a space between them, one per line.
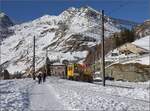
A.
pixel 28 95
pixel 43 98
pixel 61 94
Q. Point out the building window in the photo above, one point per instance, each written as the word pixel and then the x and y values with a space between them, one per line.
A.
pixel 114 54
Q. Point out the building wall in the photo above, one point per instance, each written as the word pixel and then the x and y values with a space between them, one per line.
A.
pixel 129 72
pixel 58 70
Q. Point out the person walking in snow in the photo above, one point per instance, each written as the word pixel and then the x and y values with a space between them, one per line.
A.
pixel 39 77
pixel 44 77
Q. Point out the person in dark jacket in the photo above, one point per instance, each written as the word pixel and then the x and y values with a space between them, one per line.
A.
pixel 6 74
pixel 44 77
pixel 39 77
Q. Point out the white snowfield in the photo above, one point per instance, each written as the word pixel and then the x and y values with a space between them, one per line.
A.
pixel 61 94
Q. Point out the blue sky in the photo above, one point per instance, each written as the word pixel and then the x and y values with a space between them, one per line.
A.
pixel 26 10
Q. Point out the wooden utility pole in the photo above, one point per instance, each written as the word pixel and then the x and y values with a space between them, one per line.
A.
pixel 46 63
pixel 33 58
pixel 0 59
pixel 149 51
pixel 102 50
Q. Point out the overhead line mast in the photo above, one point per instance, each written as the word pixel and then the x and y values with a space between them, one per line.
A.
pixel 102 50
pixel 33 58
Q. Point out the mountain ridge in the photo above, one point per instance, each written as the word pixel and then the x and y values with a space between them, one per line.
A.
pixel 68 36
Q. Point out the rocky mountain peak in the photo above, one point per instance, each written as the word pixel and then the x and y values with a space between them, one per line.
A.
pixel 88 9
pixel 2 14
pixel 5 20
pixel 5 23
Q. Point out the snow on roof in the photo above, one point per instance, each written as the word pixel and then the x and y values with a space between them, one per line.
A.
pixel 143 42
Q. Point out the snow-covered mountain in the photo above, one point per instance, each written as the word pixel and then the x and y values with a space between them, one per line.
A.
pixel 67 36
pixel 5 23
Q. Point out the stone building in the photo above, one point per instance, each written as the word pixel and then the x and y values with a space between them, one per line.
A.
pixel 134 72
pixel 58 70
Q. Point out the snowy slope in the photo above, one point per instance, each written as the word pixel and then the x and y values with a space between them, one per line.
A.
pixel 67 36
pixel 60 94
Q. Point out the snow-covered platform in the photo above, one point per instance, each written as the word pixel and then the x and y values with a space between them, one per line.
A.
pixel 61 94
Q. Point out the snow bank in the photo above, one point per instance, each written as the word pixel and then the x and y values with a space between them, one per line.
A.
pixel 86 96
pixel 14 94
